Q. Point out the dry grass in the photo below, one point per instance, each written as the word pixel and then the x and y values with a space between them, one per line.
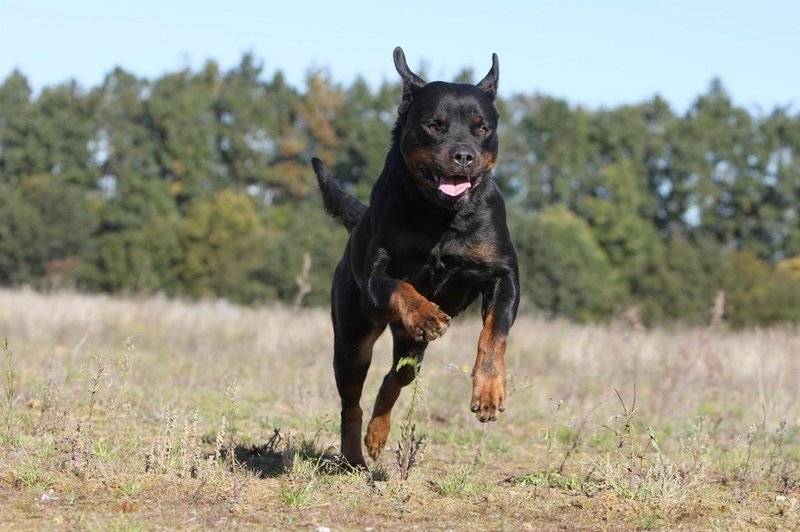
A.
pixel 150 413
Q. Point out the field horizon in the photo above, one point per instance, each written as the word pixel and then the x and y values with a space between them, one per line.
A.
pixel 150 413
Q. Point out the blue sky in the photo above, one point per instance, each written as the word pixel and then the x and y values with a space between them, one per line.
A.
pixel 593 53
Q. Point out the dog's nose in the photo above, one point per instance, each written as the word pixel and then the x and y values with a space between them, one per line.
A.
pixel 463 156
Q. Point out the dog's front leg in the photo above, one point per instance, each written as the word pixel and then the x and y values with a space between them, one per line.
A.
pixel 500 302
pixel 384 300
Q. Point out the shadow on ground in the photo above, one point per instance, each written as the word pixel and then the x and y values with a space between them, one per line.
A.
pixel 276 457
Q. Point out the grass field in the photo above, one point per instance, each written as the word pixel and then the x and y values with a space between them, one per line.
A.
pixel 148 413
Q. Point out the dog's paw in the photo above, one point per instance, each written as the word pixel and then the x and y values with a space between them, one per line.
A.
pixel 426 322
pixel 377 434
pixel 488 396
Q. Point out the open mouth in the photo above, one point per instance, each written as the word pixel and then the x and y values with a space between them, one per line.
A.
pixel 454 185
pixel 448 185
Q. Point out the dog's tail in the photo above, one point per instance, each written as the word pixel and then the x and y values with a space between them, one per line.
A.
pixel 338 202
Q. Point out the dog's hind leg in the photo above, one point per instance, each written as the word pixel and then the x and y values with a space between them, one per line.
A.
pixel 407 354
pixel 354 337
pixel 351 360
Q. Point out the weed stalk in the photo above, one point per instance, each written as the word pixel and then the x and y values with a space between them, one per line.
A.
pixel 10 394
pixel 409 448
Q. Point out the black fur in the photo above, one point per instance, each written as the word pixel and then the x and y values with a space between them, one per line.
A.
pixel 338 203
pixel 433 239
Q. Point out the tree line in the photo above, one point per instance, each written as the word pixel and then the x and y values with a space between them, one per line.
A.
pixel 198 184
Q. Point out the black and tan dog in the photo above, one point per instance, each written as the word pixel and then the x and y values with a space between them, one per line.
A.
pixel 433 238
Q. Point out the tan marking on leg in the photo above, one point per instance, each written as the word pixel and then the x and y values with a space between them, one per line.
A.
pixel 489 373
pixel 393 383
pixel 378 433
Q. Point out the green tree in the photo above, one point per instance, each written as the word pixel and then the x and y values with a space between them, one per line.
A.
pixel 758 293
pixel 144 259
pixel 222 237
pixel 616 211
pixel 364 124
pixel 198 183
pixel 781 176
pixel 544 161
pixel 126 150
pixel 19 154
pixel 19 224
pixel 293 231
pixel 721 162
pixel 678 282
pixel 63 126
pixel 45 224
pixel 249 116
pixel 183 122
pixel 563 270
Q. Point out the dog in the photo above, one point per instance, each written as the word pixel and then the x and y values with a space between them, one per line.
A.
pixel 433 238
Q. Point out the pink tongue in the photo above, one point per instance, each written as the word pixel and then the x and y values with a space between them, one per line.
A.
pixel 454 186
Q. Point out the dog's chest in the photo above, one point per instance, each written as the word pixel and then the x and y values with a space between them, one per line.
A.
pixel 456 264
pixel 451 259
pixel 449 271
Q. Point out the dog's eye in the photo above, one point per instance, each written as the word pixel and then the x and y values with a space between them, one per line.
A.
pixel 483 131
pixel 433 127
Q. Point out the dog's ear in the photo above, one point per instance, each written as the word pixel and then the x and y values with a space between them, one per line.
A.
pixel 411 82
pixel 489 83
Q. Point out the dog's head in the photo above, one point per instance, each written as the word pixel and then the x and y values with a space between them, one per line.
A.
pixel 447 133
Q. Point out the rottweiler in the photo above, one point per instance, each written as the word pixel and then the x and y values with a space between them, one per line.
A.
pixel 433 238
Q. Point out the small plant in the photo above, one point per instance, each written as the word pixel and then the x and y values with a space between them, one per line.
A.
pixel 77 446
pixel 231 393
pixel 648 521
pixel 97 376
pixel 9 393
pixel 410 446
pixel 752 432
pixel 661 481
pixel 122 524
pixel 774 458
pixel 310 449
pixel 81 444
pixel 188 449
pixel 625 436
pixel 549 479
pixel 378 474
pixel 304 462
pixel 306 452
pixel 235 498
pixel 459 484
pixel 696 446
pixel 159 456
pixel 128 488
pixel 452 485
pixel 640 471
pixel 104 449
pixel 183 457
pixel 570 437
pixel 773 462
pixel 297 496
pixel 28 475
pixel 549 431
